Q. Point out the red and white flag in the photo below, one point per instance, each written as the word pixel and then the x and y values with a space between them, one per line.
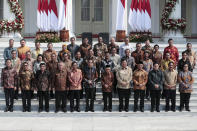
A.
pixel 62 14
pixel 39 14
pixel 45 17
pixel 143 15
pixel 132 15
pixel 42 16
pixel 120 15
pixel 148 16
pixel 139 16
pixel 53 16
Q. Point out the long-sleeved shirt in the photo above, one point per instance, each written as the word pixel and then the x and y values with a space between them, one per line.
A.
pixel 157 57
pixel 123 48
pixel 84 50
pixel 192 57
pixel 16 64
pixel 174 54
pixel 75 79
pixel 115 59
pixel 107 79
pixel 170 79
pixel 140 77
pixel 43 80
pixel 148 65
pixel 8 53
pixel 73 49
pixel 100 47
pixel 36 52
pixel 155 77
pixel 26 80
pixel 185 80
pixel 60 81
pixel 138 56
pixel 8 78
pixel 110 46
pixel 22 52
pixel 182 62
pixel 47 55
pixel 30 63
pixel 90 74
pixel 164 64
pixel 79 61
pixel 124 77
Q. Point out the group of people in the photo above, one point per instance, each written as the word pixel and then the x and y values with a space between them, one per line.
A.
pixel 66 74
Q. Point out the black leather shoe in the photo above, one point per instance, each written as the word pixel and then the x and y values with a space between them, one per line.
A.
pixel 47 110
pixel 181 108
pixel 92 110
pixel 39 110
pixel 56 110
pixel 142 109
pixel 120 110
pixel 104 110
pixel 126 110
pixel 29 110
pixel 173 110
pixel 110 110
pixel 64 110
pixel 24 110
pixel 188 109
pixel 78 110
pixel 71 110
pixel 6 109
pixel 157 110
pixel 86 110
pixel 152 110
pixel 11 109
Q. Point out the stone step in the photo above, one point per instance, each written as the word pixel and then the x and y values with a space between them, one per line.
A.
pixel 97 107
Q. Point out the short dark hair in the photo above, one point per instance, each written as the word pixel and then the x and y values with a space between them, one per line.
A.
pixel 42 64
pixel 22 40
pixel 138 43
pixel 155 63
pixel 169 40
pixel 8 60
pixel 156 45
pixel 184 52
pixel 189 44
pixel 40 55
pixel 49 44
pixel 11 40
pixel 123 59
pixel 107 66
pixel 72 38
pixel 140 62
pixel 13 51
pixel 74 62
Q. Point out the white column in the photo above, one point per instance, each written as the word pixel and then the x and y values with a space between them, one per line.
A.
pixel 8 15
pixel 177 36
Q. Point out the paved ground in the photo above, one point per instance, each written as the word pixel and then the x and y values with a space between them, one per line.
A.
pixel 98 121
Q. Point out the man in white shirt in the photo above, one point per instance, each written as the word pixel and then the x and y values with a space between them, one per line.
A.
pixel 125 46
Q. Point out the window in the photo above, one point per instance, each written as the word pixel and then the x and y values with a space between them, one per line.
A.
pixel 1 9
pixel 98 10
pixel 85 10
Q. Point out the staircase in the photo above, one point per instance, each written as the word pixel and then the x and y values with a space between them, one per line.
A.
pixel 98 102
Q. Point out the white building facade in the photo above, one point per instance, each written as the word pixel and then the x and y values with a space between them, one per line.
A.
pixel 98 16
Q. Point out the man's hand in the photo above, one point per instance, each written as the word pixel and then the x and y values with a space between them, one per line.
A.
pixel 15 88
pixel 156 86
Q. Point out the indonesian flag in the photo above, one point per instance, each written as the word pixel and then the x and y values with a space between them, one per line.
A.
pixel 39 14
pixel 45 17
pixel 49 16
pixel 132 15
pixel 143 15
pixel 120 15
pixel 139 16
pixel 53 16
pixel 42 16
pixel 148 16
pixel 62 14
